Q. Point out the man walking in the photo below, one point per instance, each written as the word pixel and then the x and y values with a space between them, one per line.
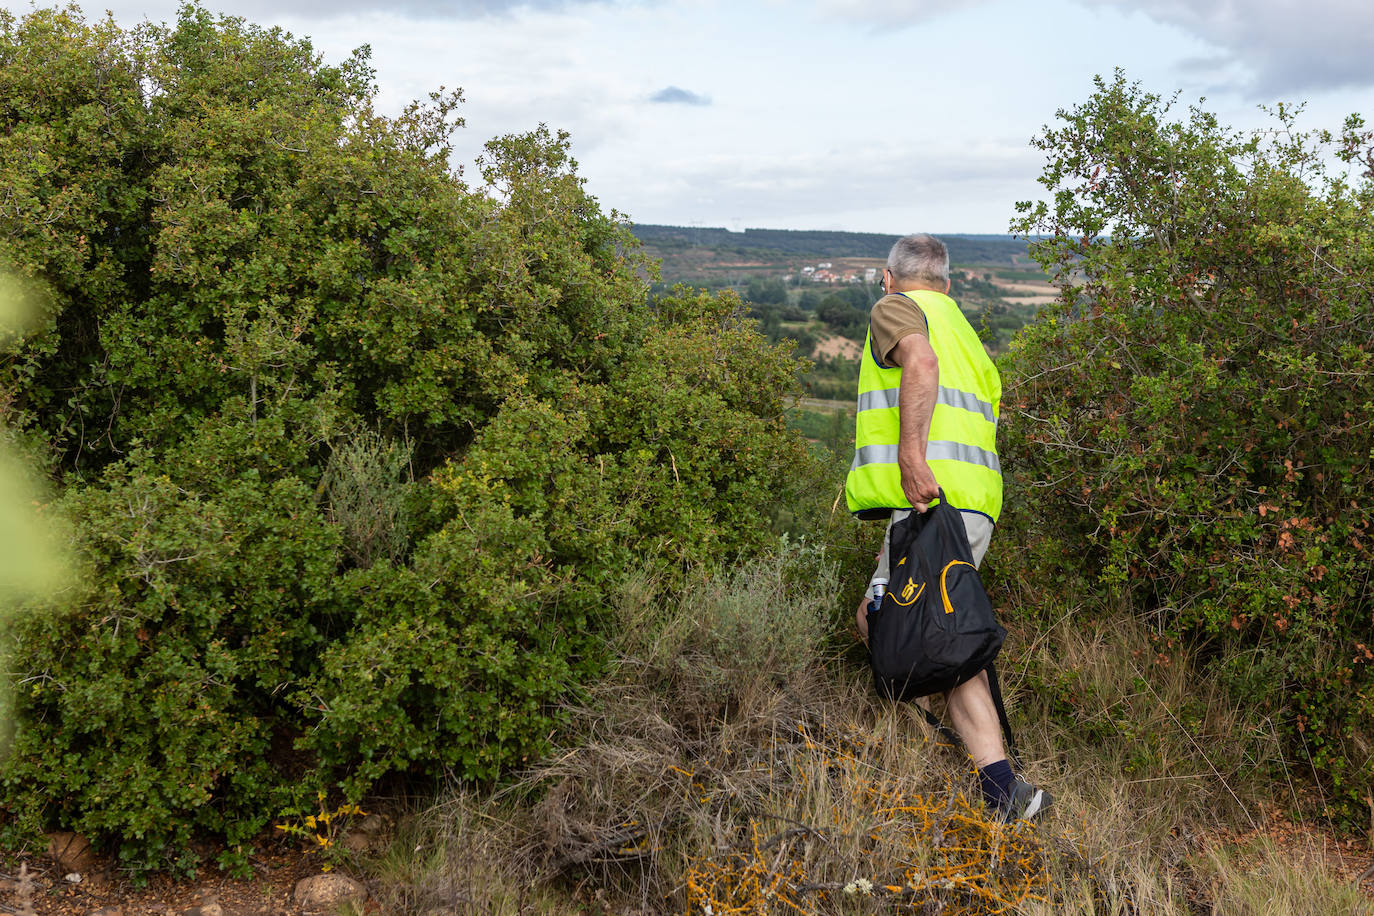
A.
pixel 929 397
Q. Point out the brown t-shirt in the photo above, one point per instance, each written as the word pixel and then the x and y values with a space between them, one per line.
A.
pixel 894 317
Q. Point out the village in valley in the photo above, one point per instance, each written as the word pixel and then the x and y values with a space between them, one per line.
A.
pixel 824 273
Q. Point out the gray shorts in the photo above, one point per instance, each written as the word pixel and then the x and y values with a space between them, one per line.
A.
pixel 977 525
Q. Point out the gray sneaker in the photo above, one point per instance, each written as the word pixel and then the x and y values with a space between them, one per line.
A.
pixel 1026 803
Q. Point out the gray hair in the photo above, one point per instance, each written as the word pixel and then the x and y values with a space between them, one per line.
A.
pixel 919 260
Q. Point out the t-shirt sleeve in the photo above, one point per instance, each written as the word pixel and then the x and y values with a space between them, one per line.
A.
pixel 894 317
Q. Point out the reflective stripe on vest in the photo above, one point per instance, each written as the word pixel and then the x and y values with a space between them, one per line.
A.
pixel 887 397
pixel 936 450
pixel 962 449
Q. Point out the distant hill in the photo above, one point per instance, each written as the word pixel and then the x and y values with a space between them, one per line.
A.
pixel 963 249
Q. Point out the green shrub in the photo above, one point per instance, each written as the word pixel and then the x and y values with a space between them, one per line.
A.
pixel 762 620
pixel 355 451
pixel 155 708
pixel 367 491
pixel 1188 427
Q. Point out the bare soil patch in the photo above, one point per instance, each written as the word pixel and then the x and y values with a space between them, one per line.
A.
pixel 1042 289
pixel 1027 293
pixel 1032 300
pixel 834 345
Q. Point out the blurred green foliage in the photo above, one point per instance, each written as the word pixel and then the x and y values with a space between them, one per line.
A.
pixel 34 561
pixel 356 452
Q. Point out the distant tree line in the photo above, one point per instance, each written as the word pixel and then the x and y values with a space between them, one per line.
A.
pixel 963 249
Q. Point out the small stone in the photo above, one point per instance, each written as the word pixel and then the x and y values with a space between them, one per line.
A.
pixel 205 909
pixel 328 891
pixel 71 851
pixel 356 841
pixel 373 824
pixel 72 877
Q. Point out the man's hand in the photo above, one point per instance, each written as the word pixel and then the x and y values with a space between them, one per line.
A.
pixel 918 481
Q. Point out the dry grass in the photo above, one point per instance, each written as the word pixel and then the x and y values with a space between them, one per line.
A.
pixel 732 767
pixel 1260 879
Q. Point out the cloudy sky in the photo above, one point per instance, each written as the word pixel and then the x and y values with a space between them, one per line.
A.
pixel 865 115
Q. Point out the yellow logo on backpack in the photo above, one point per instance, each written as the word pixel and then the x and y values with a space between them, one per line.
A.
pixel 909 593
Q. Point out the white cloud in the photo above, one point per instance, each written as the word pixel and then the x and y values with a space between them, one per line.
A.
pixel 1285 47
pixel 1269 49
pixel 324 10
pixel 888 188
pixel 875 115
pixel 891 13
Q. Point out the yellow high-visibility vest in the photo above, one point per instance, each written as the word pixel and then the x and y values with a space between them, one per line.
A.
pixel 962 447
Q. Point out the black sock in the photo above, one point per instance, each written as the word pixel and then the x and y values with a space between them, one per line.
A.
pixel 996 780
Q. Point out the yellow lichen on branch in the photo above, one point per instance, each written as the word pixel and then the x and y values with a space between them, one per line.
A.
pixel 884 842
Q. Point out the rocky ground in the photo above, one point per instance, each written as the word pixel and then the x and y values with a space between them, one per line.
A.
pixel 71 880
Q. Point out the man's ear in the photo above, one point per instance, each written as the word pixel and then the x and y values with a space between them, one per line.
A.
pixel 947 285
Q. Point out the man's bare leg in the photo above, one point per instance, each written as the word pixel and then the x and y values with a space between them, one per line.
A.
pixel 975 719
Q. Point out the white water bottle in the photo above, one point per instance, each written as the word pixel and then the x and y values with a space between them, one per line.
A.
pixel 879 588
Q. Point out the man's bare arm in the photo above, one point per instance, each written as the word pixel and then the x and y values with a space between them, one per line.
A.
pixel 915 405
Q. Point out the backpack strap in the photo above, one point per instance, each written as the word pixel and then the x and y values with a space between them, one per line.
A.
pixel 1007 736
pixel 947 734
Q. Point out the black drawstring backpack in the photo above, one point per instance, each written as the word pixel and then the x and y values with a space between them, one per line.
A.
pixel 935 627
